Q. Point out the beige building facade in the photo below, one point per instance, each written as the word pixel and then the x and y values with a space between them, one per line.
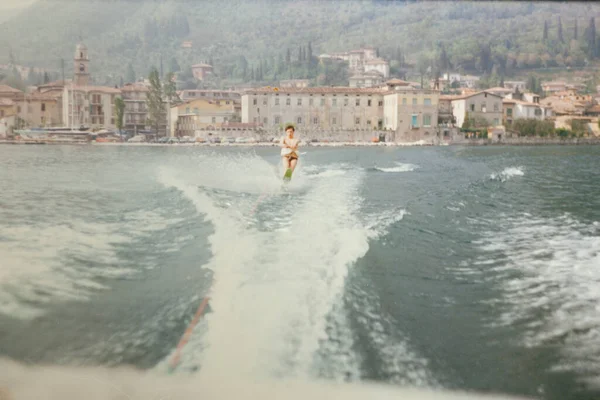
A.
pixel 186 118
pixel 39 110
pixel 478 105
pixel 89 106
pixel 317 108
pixel 411 112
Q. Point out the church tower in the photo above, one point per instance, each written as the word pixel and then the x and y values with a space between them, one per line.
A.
pixel 81 65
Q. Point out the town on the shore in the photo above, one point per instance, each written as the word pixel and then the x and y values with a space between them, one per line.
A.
pixel 374 108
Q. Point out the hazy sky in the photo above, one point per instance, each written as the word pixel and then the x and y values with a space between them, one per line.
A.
pixel 14 4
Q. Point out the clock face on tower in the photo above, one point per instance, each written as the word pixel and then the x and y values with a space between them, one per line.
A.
pixel 81 68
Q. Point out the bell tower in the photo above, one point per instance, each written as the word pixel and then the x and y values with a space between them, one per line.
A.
pixel 81 64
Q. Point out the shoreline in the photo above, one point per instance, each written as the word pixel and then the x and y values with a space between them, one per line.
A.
pixel 475 142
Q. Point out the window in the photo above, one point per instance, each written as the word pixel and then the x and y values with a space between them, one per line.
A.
pixel 254 102
pixel 426 120
pixel 483 107
pixel 427 102
pixel 1 113
pixel 334 102
pixel 369 102
pixel 214 119
pixel 265 120
pixel 472 107
pixel 264 101
pixel 368 122
pixel 333 121
pixel 357 121
pixel 43 107
pixel 414 121
pixel 277 119
pixel 404 101
pixel 288 101
pixel 496 122
pixel 357 102
pixel 414 101
pixel 310 101
pixel 322 101
pixel 276 101
pixel 509 112
pixel 538 112
pixel 300 102
pixel 254 119
pixel 346 101
pixel 380 103
pixel 496 107
pixel 299 120
pixel 316 120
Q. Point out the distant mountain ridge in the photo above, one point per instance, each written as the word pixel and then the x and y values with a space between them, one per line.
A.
pixel 139 32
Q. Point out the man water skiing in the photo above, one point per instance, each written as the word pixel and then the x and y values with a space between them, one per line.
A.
pixel 289 151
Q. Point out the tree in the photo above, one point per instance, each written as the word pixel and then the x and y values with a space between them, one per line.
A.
pixel 154 101
pixel 174 65
pixel 590 36
pixel 170 88
pixel 575 33
pixel 545 37
pixel 560 32
pixel 46 77
pixel 120 111
pixel 130 74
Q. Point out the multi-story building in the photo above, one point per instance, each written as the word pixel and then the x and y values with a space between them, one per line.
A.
pixel 478 105
pixel 315 107
pixel 366 80
pixel 516 85
pixel 7 92
pixel 358 59
pixel 135 116
pixel 396 106
pixel 220 95
pixel 411 112
pixel 197 114
pixel 379 65
pixel 524 105
pixel 39 109
pixel 89 106
pixel 201 71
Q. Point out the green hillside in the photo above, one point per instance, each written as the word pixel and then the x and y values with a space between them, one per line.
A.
pixel 267 40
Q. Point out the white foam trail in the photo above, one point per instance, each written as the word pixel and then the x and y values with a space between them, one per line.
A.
pixel 378 224
pixel 402 167
pixel 279 302
pixel 397 359
pixel 74 383
pixel 43 263
pixel 507 173
pixel 555 294
pixel 273 290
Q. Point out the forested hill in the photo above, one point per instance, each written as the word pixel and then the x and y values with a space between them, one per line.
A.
pixel 266 40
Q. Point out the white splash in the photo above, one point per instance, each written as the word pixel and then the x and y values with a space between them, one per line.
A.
pixel 507 173
pixel 549 272
pixel 402 167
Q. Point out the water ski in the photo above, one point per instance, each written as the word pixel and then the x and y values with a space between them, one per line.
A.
pixel 288 175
